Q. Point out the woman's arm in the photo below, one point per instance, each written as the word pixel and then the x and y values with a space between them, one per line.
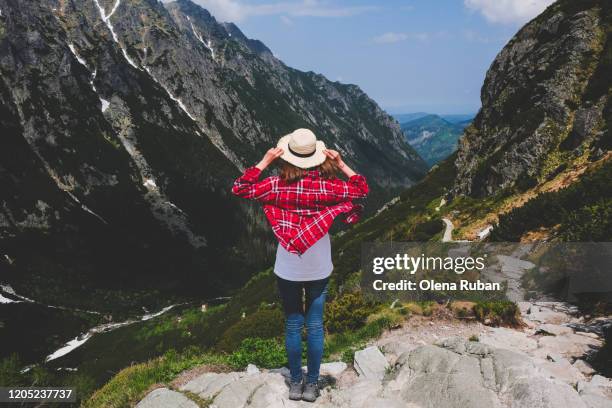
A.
pixel 355 187
pixel 335 156
pixel 271 155
pixel 248 185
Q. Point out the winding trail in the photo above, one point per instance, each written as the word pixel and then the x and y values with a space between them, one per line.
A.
pixel 448 232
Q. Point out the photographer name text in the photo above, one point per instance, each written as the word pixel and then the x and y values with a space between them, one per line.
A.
pixel 409 285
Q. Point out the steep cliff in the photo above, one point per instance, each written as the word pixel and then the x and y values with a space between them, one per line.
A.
pixel 123 124
pixel 545 101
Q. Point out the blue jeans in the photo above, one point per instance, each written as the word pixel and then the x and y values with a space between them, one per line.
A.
pixel 296 314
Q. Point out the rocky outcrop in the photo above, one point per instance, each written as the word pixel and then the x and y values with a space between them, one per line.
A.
pixel 545 101
pixel 124 123
pixel 542 366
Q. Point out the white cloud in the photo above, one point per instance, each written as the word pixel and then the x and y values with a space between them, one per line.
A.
pixel 238 10
pixel 391 37
pixel 286 21
pixel 508 11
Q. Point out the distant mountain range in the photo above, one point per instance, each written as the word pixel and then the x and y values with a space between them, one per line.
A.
pixel 434 137
pixel 452 118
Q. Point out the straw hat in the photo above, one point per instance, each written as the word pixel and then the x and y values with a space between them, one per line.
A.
pixel 302 149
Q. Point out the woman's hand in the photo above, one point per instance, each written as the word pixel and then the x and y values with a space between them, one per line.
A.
pixel 271 155
pixel 335 157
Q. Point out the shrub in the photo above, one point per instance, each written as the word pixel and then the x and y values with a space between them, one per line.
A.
pixel 266 353
pixel 10 374
pixel 590 223
pixel 427 307
pixel 348 312
pixel 264 323
pixel 582 209
pixel 427 229
pixel 498 313
pixel 391 317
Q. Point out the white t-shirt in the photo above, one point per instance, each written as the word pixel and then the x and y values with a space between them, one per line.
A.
pixel 314 264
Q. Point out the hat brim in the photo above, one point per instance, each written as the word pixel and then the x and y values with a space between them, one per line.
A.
pixel 302 162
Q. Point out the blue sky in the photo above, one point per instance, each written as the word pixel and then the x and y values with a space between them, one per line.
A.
pixel 408 55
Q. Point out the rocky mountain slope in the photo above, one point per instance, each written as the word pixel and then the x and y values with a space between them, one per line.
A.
pixel 545 101
pixel 123 124
pixel 428 363
pixel 433 137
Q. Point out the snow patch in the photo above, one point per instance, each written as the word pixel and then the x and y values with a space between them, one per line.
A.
pixel 150 184
pixel 106 19
pixel 77 56
pixel 153 315
pixel 7 300
pixel 6 288
pixel 207 44
pixel 485 232
pixel 71 345
pixel 174 98
pixel 103 328
pixel 105 104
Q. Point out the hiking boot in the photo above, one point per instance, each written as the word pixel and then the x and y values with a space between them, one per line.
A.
pixel 310 392
pixel 295 390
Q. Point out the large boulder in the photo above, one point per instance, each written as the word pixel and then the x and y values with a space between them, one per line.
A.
pixel 459 373
pixel 164 398
pixel 370 363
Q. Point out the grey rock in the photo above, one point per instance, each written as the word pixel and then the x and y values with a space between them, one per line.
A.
pixel 210 384
pixel 453 373
pixel 502 337
pixel 562 369
pixel 359 394
pixel 568 345
pixel 252 369
pixel 584 367
pixel 457 373
pixel 554 329
pixel 164 398
pixel 238 393
pixel 334 368
pixel 370 363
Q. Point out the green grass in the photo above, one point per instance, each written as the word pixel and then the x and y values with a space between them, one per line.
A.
pixel 498 313
pixel 131 384
pixel 344 344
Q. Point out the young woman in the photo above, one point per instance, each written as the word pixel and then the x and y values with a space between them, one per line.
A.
pixel 300 205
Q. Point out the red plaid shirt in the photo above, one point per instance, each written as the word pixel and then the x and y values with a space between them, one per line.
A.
pixel 302 212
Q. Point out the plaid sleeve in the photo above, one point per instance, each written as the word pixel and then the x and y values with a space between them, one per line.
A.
pixel 355 187
pixel 354 215
pixel 248 185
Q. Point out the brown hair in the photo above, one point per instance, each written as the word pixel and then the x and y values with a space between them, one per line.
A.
pixel 290 173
